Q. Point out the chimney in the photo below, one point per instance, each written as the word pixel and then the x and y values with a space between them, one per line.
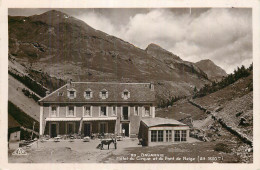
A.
pixel 152 86
pixel 47 93
pixel 69 83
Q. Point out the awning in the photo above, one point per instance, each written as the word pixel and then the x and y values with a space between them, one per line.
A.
pixel 63 119
pixel 98 118
pixel 79 118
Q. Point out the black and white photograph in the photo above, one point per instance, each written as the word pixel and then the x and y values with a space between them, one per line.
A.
pixel 130 85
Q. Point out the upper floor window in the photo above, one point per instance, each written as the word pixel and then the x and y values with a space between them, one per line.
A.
pixel 114 112
pixel 136 110
pixel 147 111
pixel 88 94
pixel 87 111
pixel 71 93
pixel 71 111
pixel 103 111
pixel 126 94
pixel 54 111
pixel 103 94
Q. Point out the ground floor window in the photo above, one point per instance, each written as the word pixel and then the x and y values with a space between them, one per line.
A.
pixel 177 136
pixel 160 135
pixel 154 135
pixel 157 136
pixel 183 135
pixel 180 135
pixel 168 135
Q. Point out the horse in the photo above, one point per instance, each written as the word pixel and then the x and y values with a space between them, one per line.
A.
pixel 105 142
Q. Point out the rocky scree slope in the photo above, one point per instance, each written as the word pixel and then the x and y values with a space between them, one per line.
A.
pixel 214 72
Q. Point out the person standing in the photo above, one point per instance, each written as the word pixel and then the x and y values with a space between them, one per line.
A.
pixel 123 131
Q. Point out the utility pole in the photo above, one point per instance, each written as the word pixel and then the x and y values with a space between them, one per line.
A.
pixel 32 130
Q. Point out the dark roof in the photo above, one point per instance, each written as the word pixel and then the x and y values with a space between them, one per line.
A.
pixel 12 123
pixel 157 121
pixel 139 92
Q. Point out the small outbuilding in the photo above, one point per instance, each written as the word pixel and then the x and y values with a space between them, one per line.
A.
pixel 13 129
pixel 159 131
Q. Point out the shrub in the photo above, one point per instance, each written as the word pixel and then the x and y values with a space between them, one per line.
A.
pixel 230 79
pixel 221 147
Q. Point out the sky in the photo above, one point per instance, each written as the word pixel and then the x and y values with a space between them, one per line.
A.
pixel 223 35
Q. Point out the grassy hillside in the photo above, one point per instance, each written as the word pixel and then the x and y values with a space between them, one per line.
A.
pixel 22 118
pixel 17 97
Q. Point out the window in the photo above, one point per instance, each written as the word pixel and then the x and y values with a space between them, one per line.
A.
pixel 147 111
pixel 114 110
pixel 15 135
pixel 136 110
pixel 103 94
pixel 103 111
pixel 125 113
pixel 168 135
pixel 154 136
pixel 160 135
pixel 177 136
pixel 125 94
pixel 60 93
pixel 87 111
pixel 157 136
pixel 71 93
pixel 183 135
pixel 54 111
pixel 88 94
pixel 71 111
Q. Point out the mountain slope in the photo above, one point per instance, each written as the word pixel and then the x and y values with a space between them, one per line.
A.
pixel 174 62
pixel 16 96
pixel 213 71
pixel 65 47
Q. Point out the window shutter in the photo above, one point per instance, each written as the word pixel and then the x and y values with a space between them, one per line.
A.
pixel 128 94
pixel 58 111
pixel 100 94
pixel 107 94
pixel 91 94
pixel 122 95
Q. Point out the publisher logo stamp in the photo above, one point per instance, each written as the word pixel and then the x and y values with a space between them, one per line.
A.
pixel 19 151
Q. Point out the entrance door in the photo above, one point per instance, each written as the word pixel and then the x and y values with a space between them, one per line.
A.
pixel 53 130
pixel 103 128
pixel 125 126
pixel 87 129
